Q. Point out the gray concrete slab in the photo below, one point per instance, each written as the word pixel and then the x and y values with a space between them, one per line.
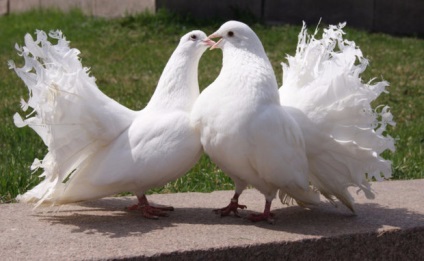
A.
pixel 4 7
pixel 113 8
pixel 86 6
pixel 19 6
pixel 103 8
pixel 391 226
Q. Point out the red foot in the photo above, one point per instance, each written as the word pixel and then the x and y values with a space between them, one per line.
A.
pixel 268 217
pixel 232 207
pixel 153 212
pixel 149 211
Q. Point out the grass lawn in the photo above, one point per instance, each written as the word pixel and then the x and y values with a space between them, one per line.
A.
pixel 127 57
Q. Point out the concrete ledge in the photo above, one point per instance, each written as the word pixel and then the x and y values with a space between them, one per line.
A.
pixel 389 227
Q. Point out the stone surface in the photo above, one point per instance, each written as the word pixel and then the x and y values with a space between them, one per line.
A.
pixel 65 5
pixel 104 8
pixel 113 8
pixel 3 7
pixel 19 6
pixel 389 227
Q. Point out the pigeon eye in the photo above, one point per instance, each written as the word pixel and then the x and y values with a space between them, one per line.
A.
pixel 193 37
pixel 230 34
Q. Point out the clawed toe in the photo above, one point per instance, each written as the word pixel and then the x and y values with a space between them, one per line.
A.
pixel 231 208
pixel 150 211
pixel 268 217
pixel 226 212
pixel 153 212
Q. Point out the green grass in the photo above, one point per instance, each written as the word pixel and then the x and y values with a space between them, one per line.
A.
pixel 127 57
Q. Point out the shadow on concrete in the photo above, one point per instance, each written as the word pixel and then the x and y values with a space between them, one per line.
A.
pixel 109 217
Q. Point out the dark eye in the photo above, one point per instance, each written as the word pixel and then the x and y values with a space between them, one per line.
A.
pixel 193 37
pixel 230 34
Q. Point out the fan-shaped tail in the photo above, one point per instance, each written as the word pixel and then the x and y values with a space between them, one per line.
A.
pixel 344 135
pixel 72 116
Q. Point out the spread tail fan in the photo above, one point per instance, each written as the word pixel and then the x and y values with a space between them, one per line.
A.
pixel 344 135
pixel 72 116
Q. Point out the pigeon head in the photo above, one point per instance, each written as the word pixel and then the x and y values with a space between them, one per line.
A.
pixel 238 35
pixel 196 40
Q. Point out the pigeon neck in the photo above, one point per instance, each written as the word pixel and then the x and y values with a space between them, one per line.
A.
pixel 233 56
pixel 249 73
pixel 178 85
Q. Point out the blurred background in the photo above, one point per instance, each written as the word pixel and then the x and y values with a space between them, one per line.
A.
pixel 389 16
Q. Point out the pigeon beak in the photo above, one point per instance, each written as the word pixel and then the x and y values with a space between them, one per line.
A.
pixel 216 45
pixel 208 42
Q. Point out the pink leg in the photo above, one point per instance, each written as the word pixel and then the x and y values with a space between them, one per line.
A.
pixel 267 215
pixel 232 207
pixel 149 211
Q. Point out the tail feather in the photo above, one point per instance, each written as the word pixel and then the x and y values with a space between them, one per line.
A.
pixel 344 135
pixel 303 198
pixel 71 115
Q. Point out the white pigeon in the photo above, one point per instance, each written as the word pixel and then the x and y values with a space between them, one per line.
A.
pixel 245 130
pixel 326 113
pixel 96 146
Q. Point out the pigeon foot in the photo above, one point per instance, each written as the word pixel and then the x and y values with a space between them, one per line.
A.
pixel 150 211
pixel 232 207
pixel 268 217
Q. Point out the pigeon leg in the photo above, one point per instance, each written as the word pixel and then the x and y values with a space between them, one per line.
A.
pixel 265 216
pixel 150 211
pixel 232 207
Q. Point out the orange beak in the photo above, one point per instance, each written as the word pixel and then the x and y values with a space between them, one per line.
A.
pixel 208 42
pixel 216 45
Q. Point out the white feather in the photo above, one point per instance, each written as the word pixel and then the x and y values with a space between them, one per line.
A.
pixel 96 146
pixel 344 135
pixel 322 136
pixel 243 127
